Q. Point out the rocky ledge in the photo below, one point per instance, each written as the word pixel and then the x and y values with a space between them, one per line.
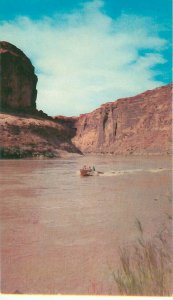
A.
pixel 23 137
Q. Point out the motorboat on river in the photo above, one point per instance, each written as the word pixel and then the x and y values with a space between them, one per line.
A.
pixel 86 172
pixel 89 172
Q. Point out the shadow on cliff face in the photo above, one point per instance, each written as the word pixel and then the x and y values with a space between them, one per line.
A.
pixel 18 79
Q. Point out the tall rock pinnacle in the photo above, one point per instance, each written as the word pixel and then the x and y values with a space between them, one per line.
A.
pixel 17 79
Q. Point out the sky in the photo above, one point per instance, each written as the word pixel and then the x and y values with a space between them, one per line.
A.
pixel 87 53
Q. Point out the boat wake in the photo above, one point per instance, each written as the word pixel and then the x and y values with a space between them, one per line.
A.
pixel 134 171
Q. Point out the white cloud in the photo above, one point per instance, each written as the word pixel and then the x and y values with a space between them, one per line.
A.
pixel 86 58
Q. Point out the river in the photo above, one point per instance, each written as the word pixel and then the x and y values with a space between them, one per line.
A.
pixel 61 233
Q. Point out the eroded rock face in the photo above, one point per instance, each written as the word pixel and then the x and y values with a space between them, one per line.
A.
pixel 138 125
pixel 69 123
pixel 18 80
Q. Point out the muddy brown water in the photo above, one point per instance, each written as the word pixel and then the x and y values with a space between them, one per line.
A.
pixel 61 233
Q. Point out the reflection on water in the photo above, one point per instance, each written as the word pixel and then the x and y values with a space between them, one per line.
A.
pixel 60 233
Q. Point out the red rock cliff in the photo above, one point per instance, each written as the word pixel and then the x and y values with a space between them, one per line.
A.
pixel 18 80
pixel 24 131
pixel 139 125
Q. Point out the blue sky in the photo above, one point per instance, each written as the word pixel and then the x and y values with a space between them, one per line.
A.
pixel 89 52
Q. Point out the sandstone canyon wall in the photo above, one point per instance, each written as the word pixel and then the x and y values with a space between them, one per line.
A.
pixel 135 125
pixel 18 80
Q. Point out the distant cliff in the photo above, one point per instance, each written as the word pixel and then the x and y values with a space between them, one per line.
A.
pixel 135 125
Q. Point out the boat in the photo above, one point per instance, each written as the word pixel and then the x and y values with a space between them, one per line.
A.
pixel 86 172
pixel 89 172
